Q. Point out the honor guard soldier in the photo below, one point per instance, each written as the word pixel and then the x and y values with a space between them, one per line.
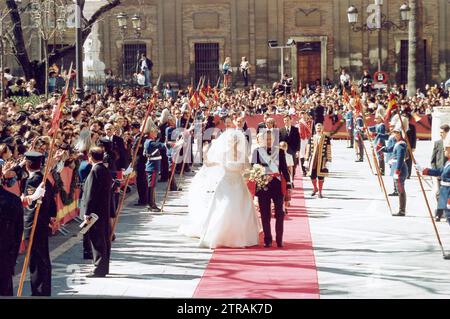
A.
pixel 11 230
pixel 172 136
pixel 349 124
pixel 444 190
pixel 399 170
pixel 359 137
pixel 152 167
pixel 40 264
pixel 379 142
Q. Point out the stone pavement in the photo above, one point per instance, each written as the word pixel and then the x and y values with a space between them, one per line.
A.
pixel 360 250
pixel 363 252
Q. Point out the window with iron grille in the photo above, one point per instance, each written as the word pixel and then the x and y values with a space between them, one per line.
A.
pixel 207 62
pixel 132 53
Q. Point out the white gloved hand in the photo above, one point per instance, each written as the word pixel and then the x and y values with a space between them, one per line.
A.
pixel 38 193
pixel 128 171
pixel 419 168
pixel 448 203
pixel 396 176
pixel 328 165
pixel 306 164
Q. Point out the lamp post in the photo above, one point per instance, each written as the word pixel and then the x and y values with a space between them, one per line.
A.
pixel 273 44
pixel 377 21
pixel 79 51
pixel 122 21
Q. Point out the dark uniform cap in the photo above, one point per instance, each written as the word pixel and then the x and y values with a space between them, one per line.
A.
pixel 135 125
pixel 33 156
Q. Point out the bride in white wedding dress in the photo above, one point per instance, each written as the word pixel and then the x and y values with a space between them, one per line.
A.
pixel 221 209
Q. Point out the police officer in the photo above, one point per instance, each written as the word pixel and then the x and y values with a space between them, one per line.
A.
pixel 11 229
pixel 152 152
pixel 359 137
pixel 40 264
pixel 399 169
pixel 139 166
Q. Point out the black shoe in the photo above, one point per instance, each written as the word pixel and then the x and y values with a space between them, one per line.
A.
pixel 349 146
pixel 88 256
pixel 94 275
pixel 285 211
pixel 267 245
pixel 139 204
pixel 446 256
pixel 359 161
pixel 113 237
pixel 437 218
pixel 320 195
pixel 314 193
pixel 279 245
pixel 176 189
pixel 393 194
pixel 399 214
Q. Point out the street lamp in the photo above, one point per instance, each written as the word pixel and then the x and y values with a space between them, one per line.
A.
pixel 79 51
pixel 273 44
pixel 122 21
pixel 377 21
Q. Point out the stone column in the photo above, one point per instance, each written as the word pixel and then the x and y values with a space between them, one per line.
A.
pixel 441 115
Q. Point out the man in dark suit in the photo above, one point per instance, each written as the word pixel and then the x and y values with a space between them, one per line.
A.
pixel 438 160
pixel 291 135
pixel 145 65
pixel 263 123
pixel 40 264
pixel 139 166
pixel 97 200
pixel 11 230
pixel 274 160
pixel 318 114
pixel 118 147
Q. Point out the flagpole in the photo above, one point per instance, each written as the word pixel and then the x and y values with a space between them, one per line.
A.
pixel 420 182
pixel 202 81
pixel 380 177
pixel 174 162
pixel 44 181
pixel 133 161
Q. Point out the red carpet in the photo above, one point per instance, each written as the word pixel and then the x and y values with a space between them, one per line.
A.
pixel 258 272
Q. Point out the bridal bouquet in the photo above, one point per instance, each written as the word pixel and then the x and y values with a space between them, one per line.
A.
pixel 257 179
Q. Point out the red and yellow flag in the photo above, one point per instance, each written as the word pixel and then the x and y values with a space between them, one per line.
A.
pixel 193 102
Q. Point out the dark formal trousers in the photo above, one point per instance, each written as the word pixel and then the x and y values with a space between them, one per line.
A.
pixel 164 173
pixel 101 247
pixel 264 199
pixel 141 182
pixel 40 265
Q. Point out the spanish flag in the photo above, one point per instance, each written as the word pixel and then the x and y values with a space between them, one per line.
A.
pixel 193 102
pixel 202 95
pixel 358 105
pixel 345 97
pixel 392 105
pixel 216 94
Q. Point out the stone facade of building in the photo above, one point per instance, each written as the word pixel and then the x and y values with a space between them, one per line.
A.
pixel 171 29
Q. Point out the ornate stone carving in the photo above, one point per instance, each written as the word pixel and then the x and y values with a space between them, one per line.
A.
pixel 308 18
